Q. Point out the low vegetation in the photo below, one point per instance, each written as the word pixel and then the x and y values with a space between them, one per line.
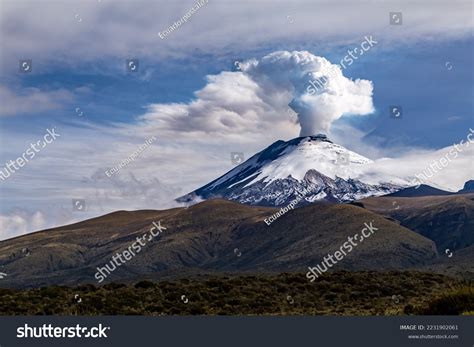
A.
pixel 459 301
pixel 337 293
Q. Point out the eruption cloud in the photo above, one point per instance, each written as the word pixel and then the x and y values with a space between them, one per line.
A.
pixel 255 99
pixel 321 94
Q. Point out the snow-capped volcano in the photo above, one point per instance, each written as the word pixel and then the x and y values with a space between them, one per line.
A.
pixel 305 168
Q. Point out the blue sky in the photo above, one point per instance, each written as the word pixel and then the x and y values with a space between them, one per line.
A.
pixel 79 85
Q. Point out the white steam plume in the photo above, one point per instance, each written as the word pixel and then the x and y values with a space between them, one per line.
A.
pixel 321 93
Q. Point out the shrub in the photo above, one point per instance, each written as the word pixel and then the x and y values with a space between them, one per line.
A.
pixel 144 284
pixel 455 302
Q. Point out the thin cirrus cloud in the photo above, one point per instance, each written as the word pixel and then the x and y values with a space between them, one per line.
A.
pixel 92 30
pixel 31 100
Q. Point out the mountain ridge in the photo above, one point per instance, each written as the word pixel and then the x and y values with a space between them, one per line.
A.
pixel 281 172
pixel 212 236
